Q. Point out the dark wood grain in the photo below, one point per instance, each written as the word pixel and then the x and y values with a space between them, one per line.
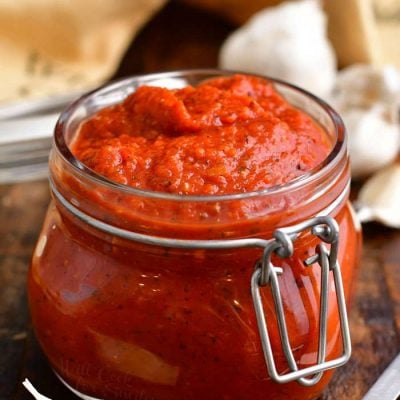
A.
pixel 183 37
pixel 374 324
pixel 22 208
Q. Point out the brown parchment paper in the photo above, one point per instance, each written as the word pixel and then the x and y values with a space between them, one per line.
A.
pixel 54 46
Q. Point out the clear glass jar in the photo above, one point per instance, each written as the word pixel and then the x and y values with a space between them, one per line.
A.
pixel 144 295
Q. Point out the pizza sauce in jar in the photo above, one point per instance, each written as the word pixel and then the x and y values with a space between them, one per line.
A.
pixel 188 208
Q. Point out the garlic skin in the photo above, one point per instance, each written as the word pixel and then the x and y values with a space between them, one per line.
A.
pixel 30 388
pixel 373 141
pixel 379 198
pixel 287 42
pixel 364 86
pixel 368 99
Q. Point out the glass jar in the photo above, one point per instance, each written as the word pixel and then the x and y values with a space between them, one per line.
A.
pixel 146 295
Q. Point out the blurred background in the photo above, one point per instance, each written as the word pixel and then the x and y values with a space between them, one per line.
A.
pixel 345 51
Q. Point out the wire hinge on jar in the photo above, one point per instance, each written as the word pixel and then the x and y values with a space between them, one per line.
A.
pixel 327 230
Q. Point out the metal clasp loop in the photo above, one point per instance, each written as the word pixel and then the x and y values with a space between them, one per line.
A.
pixel 327 230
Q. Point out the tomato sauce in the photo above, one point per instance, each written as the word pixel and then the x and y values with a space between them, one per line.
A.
pixel 227 135
pixel 119 319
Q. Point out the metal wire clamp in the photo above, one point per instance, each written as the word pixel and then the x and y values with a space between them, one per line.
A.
pixel 327 230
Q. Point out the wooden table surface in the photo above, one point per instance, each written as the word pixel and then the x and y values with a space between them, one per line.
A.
pixel 182 37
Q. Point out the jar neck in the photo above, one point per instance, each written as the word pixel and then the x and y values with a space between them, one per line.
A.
pixel 248 216
pixel 203 217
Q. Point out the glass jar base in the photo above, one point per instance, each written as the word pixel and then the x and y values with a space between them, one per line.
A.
pixel 76 392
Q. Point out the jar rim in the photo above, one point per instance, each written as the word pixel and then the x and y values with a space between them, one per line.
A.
pixel 339 148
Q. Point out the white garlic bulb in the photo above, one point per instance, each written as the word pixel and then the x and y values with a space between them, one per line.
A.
pixel 379 198
pixel 368 99
pixel 374 140
pixel 287 42
pixel 364 86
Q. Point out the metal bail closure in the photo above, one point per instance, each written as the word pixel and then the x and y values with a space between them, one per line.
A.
pixel 327 230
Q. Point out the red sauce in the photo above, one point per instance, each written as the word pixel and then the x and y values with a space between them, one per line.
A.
pixel 121 320
pixel 226 135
